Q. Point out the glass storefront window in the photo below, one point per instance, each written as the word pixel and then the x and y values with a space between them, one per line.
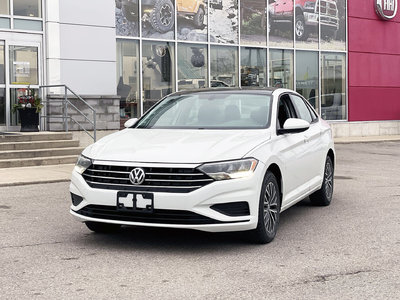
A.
pixel 28 8
pixel 224 21
pixel 224 66
pixel 306 24
pixel 333 24
pixel 192 20
pixel 158 71
pixel 192 66
pixel 333 86
pixel 253 22
pixel 23 65
pixel 28 25
pixel 281 68
pixel 5 23
pixel 128 78
pixel 281 23
pixel 253 66
pixel 307 76
pixel 158 19
pixel 2 65
pixel 2 106
pixel 4 7
pixel 127 18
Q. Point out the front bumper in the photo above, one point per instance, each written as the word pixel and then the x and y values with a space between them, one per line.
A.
pixel 197 203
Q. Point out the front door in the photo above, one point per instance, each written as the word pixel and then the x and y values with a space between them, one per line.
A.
pixel 19 69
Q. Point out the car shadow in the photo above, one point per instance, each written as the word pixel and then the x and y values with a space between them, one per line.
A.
pixel 157 240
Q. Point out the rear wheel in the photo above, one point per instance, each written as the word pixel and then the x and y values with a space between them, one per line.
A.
pixel 269 210
pixel 323 196
pixel 103 227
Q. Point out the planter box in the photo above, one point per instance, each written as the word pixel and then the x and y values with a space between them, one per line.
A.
pixel 29 120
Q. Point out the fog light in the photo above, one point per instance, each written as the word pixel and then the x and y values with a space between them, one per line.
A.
pixel 76 200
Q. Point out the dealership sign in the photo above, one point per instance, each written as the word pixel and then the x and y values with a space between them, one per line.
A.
pixel 386 9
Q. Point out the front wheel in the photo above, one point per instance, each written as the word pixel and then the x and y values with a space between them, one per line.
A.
pixel 103 227
pixel 323 196
pixel 268 211
pixel 301 29
pixel 162 17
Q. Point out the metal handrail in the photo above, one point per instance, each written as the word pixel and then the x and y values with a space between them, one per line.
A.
pixel 65 104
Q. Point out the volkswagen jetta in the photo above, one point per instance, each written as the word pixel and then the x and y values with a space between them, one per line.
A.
pixel 211 160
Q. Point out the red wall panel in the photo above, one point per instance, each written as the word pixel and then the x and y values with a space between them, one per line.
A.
pixel 374 64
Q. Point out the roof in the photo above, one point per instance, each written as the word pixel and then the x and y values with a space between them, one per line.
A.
pixel 244 90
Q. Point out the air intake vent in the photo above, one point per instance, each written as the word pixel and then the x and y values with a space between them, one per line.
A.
pixel 233 209
pixel 161 216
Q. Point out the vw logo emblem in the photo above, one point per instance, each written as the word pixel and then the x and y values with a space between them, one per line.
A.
pixel 137 176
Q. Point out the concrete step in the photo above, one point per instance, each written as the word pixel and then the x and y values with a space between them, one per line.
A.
pixel 40 153
pixel 35 136
pixel 38 145
pixel 40 161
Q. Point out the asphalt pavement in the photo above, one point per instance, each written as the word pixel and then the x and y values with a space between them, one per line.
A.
pixel 349 250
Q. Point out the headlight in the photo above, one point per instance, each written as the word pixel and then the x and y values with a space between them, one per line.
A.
pixel 230 169
pixel 82 164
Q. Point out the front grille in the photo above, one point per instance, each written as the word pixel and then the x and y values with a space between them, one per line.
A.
pixel 328 8
pixel 168 180
pixel 161 216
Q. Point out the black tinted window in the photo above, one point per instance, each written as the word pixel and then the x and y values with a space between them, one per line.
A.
pixel 301 108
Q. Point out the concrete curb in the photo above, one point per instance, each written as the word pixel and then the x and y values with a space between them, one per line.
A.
pixel 33 182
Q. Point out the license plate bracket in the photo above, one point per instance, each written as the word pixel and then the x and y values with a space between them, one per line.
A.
pixel 135 202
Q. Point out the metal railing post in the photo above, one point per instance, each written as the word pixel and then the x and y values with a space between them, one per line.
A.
pixel 66 108
pixel 94 126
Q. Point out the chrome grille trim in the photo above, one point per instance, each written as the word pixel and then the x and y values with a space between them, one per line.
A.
pixel 158 179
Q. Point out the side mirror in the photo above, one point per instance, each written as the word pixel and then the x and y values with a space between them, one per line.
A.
pixel 294 126
pixel 130 122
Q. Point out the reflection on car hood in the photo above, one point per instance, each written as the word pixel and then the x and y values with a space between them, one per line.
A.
pixel 176 146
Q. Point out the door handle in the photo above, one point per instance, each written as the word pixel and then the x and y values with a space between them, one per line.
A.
pixel 306 139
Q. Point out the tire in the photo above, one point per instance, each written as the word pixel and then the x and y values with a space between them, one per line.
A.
pixel 130 12
pixel 301 30
pixel 103 227
pixel 323 196
pixel 162 17
pixel 268 210
pixel 198 18
pixel 118 4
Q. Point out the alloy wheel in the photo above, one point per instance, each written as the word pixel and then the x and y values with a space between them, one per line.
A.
pixel 166 15
pixel 328 180
pixel 270 207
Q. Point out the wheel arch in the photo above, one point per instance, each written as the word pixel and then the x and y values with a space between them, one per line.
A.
pixel 298 11
pixel 274 169
pixel 331 155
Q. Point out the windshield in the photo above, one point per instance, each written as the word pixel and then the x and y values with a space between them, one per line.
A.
pixel 210 111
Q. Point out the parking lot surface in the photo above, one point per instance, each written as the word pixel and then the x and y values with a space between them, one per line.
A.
pixel 349 250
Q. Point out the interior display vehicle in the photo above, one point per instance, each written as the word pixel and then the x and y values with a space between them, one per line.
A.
pixel 306 16
pixel 212 160
pixel 161 13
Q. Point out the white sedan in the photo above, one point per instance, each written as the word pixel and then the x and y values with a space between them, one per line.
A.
pixel 212 160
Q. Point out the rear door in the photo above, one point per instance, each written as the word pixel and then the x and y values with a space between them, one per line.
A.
pixel 314 151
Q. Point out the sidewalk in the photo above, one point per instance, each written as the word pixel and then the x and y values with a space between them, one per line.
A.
pixel 62 173
pixel 34 175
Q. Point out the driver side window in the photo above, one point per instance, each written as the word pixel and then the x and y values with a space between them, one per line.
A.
pixel 285 110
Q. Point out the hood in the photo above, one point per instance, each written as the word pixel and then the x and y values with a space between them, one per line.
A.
pixel 176 146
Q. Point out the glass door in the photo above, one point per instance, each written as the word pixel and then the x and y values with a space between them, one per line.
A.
pixel 20 68
pixel 24 73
